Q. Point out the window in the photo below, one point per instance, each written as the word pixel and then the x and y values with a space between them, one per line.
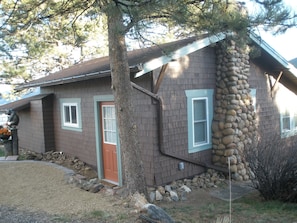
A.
pixel 70 113
pixel 288 123
pixel 285 100
pixel 109 124
pixel 200 113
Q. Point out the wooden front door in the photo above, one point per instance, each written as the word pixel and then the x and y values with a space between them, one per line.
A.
pixel 109 141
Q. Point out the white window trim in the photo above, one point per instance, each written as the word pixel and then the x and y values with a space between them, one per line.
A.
pixel 71 102
pixel 196 95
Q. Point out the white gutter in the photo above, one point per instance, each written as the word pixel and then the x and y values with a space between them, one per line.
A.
pixel 67 79
pixel 104 73
pixel 190 48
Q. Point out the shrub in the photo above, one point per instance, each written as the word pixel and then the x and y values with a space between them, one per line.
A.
pixel 273 167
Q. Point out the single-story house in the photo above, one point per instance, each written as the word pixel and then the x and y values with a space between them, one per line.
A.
pixel 198 104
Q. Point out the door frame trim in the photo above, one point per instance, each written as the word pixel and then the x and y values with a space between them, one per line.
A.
pixel 97 111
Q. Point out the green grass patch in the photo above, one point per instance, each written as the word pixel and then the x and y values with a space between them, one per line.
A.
pixel 251 208
pixel 182 213
pixel 122 217
pixel 271 210
pixel 98 214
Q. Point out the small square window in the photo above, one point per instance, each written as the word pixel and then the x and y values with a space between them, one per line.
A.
pixel 71 117
pixel 70 114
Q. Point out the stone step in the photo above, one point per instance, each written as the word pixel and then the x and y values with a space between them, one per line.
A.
pixel 9 158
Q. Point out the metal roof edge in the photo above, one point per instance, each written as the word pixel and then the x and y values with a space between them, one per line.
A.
pixel 265 46
pixel 185 50
pixel 22 103
pixel 70 79
pixel 62 80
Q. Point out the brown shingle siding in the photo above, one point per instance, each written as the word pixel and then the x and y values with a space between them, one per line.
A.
pixel 195 75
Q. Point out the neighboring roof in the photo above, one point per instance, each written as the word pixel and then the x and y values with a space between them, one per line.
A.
pixel 294 62
pixel 22 103
pixel 140 61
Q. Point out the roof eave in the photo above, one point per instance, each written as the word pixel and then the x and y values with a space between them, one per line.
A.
pixel 190 48
pixel 280 59
pixel 289 69
pixel 23 103
pixel 66 80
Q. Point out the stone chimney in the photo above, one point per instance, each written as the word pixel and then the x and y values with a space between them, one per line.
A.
pixel 234 125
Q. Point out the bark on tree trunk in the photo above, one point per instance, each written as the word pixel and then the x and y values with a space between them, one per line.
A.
pixel 130 150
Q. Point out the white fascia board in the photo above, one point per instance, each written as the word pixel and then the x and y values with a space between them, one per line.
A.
pixel 265 46
pixel 190 48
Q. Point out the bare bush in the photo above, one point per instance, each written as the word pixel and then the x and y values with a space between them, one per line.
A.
pixel 273 166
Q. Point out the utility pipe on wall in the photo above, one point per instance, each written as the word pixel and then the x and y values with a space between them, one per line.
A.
pixel 160 133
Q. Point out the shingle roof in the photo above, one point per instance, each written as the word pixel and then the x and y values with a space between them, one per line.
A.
pixel 100 67
pixel 22 103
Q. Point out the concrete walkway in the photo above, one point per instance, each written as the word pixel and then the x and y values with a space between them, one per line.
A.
pixel 238 190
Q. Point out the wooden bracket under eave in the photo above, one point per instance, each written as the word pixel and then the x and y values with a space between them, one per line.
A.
pixel 273 87
pixel 160 78
pixel 277 80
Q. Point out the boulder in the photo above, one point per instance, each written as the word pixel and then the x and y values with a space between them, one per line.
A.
pixel 156 214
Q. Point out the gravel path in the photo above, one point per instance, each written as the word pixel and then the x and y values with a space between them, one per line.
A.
pixel 38 192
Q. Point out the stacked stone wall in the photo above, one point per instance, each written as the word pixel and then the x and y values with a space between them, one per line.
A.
pixel 234 126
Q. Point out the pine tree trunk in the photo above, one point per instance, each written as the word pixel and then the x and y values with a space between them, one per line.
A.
pixel 122 89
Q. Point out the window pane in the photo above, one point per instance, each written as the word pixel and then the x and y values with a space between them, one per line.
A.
pixel 66 114
pixel 106 136
pixel 295 121
pixel 109 124
pixel 286 123
pixel 73 114
pixel 109 112
pixel 113 137
pixel 113 113
pixel 200 135
pixel 199 109
pixel 200 122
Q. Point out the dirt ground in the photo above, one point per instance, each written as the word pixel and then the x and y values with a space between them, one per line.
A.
pixel 37 187
pixel 34 186
pixel 40 189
